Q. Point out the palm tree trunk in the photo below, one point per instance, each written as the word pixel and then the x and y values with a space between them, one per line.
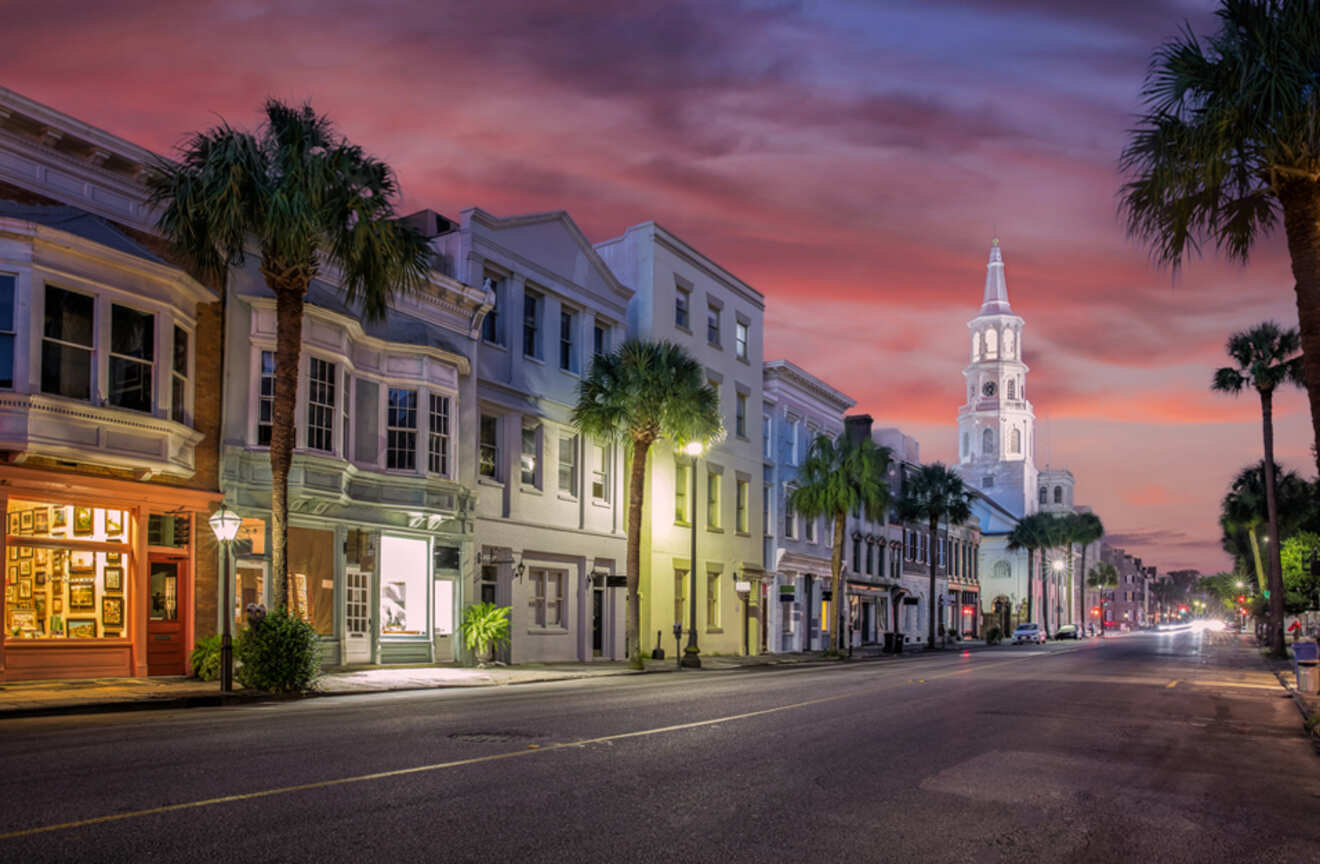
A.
pixel 1031 586
pixel 1301 221
pixel 636 497
pixel 1044 593
pixel 1070 582
pixel 289 298
pixel 1081 595
pixel 836 581
pixel 1255 553
pixel 1271 508
pixel 930 636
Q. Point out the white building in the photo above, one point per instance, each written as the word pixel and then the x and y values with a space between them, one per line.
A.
pixel 683 296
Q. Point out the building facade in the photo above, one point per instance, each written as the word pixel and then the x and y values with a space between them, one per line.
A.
pixel 683 296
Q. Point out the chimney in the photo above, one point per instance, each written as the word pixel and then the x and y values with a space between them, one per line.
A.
pixel 857 427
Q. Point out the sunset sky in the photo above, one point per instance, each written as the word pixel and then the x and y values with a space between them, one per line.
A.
pixel 852 161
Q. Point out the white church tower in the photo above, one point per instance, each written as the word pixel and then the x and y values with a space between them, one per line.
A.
pixel 996 426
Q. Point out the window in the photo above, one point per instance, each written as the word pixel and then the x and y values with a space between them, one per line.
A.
pixel 178 373
pixel 1016 440
pixel 567 360
pixel 488 450
pixel 266 400
pixel 401 430
pixel 1058 494
pixel 682 477
pixel 437 449
pixel 767 438
pixel 987 443
pixel 713 481
pixel 857 554
pixel 713 324
pixel 8 283
pixel 740 414
pixel 548 597
pixel 404 572
pixel 320 404
pixel 682 306
pixel 490 325
pixel 66 345
pixel 132 350
pixel 923 548
pixel 809 530
pixel 1012 389
pixel 740 341
pixel 713 586
pixel 600 340
pixel 528 455
pixel 766 522
pixel 870 557
pixel 600 475
pixel 680 596
pixel 791 443
pixel 744 492
pixel 790 518
pixel 531 323
pixel 568 473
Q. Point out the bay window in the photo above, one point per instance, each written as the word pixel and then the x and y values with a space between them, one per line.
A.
pixel 132 353
pixel 8 284
pixel 179 377
pixel 401 430
pixel 266 399
pixel 438 447
pixel 320 405
pixel 66 344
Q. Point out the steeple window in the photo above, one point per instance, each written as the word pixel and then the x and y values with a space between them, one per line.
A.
pixel 988 443
pixel 976 346
pixel 1008 344
pixel 1017 437
pixel 991 344
pixel 1012 389
pixel 1044 495
pixel 1058 494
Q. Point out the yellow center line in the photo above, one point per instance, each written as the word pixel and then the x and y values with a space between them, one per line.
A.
pixel 458 763
pixel 1170 685
pixel 1274 686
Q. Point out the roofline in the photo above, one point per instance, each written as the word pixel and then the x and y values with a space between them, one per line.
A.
pixel 60 121
pixel 790 371
pixel 682 247
pixel 490 220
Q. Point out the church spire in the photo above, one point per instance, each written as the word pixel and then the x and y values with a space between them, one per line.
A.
pixel 996 288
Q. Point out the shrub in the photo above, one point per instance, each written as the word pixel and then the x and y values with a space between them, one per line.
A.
pixel 993 636
pixel 484 626
pixel 205 658
pixel 277 652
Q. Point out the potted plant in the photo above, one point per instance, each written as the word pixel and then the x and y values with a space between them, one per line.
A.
pixel 484 627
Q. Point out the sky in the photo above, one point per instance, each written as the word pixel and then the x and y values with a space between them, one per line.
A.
pixel 850 160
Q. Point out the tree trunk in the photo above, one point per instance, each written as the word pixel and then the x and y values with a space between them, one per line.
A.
pixel 1301 220
pixel 1275 545
pixel 934 607
pixel 1255 553
pixel 1071 608
pixel 836 582
pixel 1044 593
pixel 289 299
pixel 636 498
pixel 1081 594
pixel 1031 586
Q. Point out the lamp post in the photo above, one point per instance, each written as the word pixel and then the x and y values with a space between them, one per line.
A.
pixel 692 653
pixel 224 523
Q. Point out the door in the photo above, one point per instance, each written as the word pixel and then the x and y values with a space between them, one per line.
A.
pixel 167 596
pixel 597 622
pixel 249 590
pixel 357 616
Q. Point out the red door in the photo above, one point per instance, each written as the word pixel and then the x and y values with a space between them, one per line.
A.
pixel 166 599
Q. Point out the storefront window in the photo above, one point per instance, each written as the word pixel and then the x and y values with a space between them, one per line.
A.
pixel 60 591
pixel 403 578
pixel 312 577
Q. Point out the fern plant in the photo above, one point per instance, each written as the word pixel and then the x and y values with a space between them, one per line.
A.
pixel 484 627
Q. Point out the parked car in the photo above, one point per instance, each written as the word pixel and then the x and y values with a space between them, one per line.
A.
pixel 1028 633
pixel 1067 631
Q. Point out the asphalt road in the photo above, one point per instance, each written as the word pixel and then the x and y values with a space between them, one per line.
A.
pixel 1142 748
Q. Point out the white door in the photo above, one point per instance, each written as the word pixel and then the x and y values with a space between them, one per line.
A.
pixel 357 616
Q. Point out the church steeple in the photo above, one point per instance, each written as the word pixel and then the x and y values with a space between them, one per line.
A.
pixel 996 288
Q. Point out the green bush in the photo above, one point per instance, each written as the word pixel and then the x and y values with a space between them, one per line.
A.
pixel 205 659
pixel 277 653
pixel 485 626
pixel 993 636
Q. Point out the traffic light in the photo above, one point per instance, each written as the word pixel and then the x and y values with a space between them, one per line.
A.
pixel 1242 598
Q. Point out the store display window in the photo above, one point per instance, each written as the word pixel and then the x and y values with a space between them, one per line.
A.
pixel 66 571
pixel 404 572
pixel 312 576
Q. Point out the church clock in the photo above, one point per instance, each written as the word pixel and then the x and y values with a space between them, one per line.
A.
pixel 989 388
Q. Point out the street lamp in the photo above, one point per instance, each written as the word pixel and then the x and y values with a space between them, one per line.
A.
pixel 224 523
pixel 692 653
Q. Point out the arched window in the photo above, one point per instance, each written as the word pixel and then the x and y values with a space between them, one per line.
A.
pixel 1017 439
pixel 1002 570
pixel 991 344
pixel 1022 389
pixel 976 346
pixel 1012 389
pixel 1044 495
pixel 966 448
pixel 1008 344
pixel 988 442
pixel 1058 494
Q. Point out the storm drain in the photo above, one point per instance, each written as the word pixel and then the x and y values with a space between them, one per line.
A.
pixel 500 737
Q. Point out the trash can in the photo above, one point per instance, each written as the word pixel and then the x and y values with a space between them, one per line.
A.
pixel 1308 678
pixel 889 643
pixel 898 643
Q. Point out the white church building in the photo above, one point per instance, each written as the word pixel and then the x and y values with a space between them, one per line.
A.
pixel 996 458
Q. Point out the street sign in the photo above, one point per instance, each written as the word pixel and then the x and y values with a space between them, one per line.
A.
pixel 620 581
pixel 742 586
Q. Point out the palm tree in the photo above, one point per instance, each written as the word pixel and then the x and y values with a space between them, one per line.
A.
pixel 1030 533
pixel 645 391
pixel 837 478
pixel 1243 512
pixel 1055 531
pixel 934 494
pixel 1266 358
pixel 1231 140
pixel 1083 529
pixel 1103 577
pixel 308 202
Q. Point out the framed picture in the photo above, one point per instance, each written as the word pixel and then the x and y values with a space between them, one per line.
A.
pixel 114 523
pixel 82 595
pixel 40 577
pixel 24 551
pixel 13 574
pixel 82 524
pixel 57 559
pixel 25 567
pixel 13 552
pixel 114 579
pixel 82 561
pixel 57 625
pixel 57 603
pixel 13 522
pixel 57 585
pixel 112 557
pixel 41 521
pixel 22 619
pixel 25 522
pixel 41 556
pixel 82 628
pixel 112 611
pixel 24 589
pixel 11 593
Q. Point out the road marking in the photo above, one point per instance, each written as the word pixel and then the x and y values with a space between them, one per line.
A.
pixel 458 763
pixel 1170 685
pixel 1234 684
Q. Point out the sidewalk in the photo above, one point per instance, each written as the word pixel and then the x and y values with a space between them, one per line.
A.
pixel 95 695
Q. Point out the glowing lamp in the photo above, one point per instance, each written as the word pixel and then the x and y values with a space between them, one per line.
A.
pixel 224 522
pixel 693 448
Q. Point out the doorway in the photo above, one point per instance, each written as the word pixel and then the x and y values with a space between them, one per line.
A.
pixel 597 622
pixel 167 595
pixel 357 616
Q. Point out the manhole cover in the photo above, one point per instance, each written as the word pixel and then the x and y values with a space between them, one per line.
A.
pixel 502 737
